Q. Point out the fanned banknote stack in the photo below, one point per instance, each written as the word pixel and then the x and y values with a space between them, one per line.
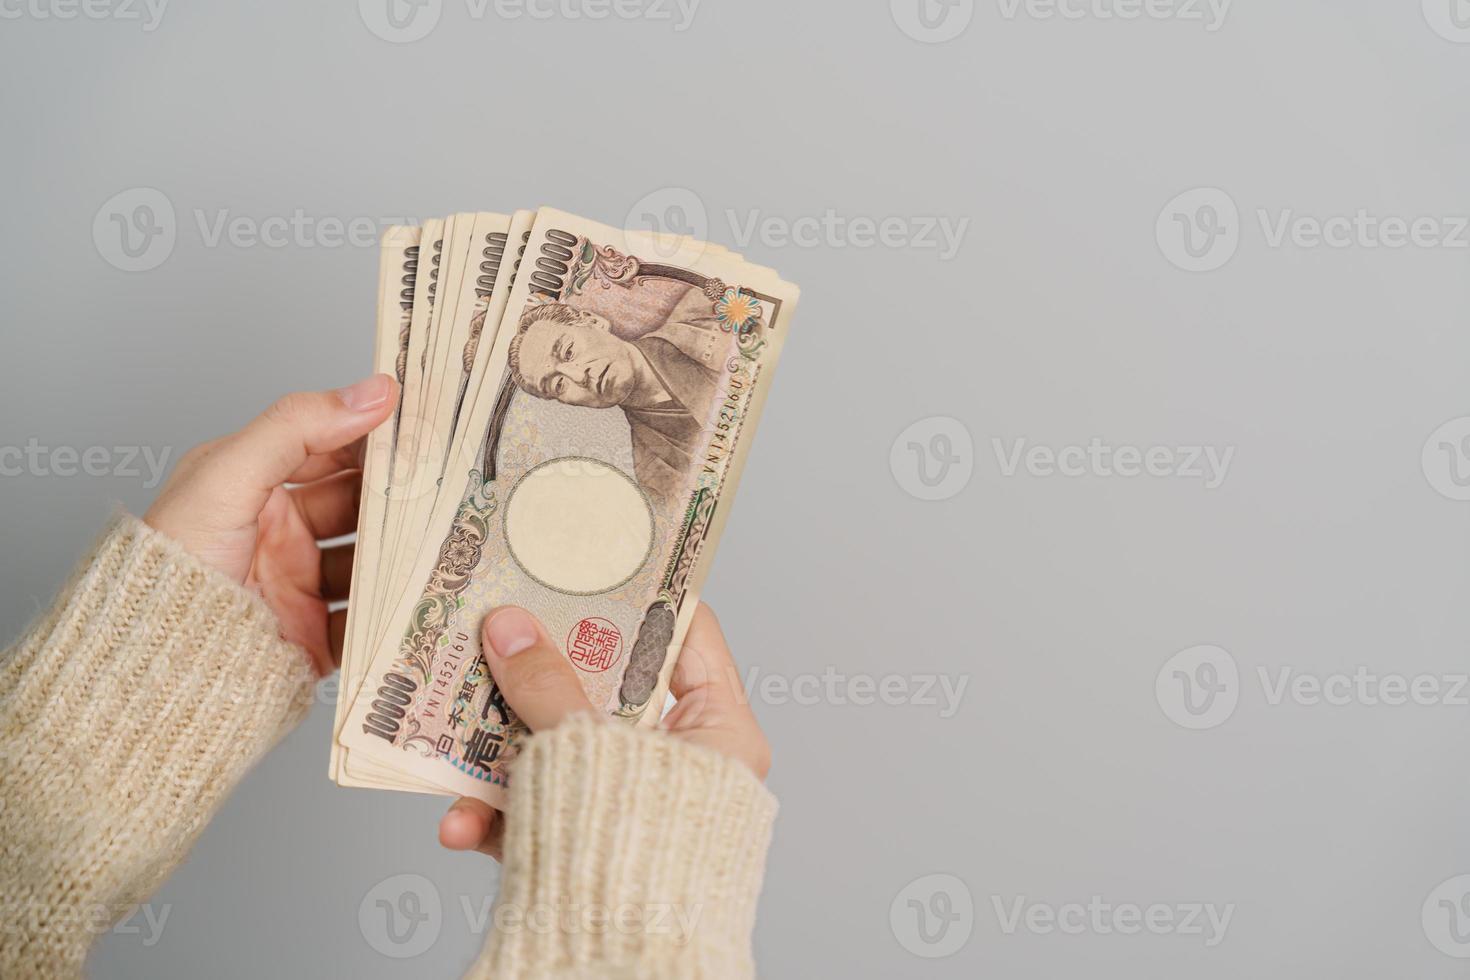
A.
pixel 577 405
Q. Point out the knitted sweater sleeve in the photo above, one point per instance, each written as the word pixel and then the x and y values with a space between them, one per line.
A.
pixel 127 713
pixel 628 854
pixel 141 697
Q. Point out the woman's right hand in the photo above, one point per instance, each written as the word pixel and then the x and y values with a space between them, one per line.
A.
pixel 541 686
pixel 228 503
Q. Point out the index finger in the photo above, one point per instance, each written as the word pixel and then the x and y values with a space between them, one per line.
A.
pixel 705 666
pixel 318 465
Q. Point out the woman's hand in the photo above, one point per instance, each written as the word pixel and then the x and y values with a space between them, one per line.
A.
pixel 227 504
pixel 542 688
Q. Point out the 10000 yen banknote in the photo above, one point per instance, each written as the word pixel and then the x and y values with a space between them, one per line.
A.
pixel 398 265
pixel 620 400
pixel 473 292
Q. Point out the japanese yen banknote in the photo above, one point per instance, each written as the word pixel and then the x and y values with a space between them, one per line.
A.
pixel 577 406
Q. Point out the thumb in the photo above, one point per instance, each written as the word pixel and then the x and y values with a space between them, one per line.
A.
pixel 538 683
pixel 276 443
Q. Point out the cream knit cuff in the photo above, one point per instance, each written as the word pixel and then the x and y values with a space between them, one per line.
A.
pixel 628 853
pixel 126 714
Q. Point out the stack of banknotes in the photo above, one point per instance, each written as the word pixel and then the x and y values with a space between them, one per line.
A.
pixel 577 405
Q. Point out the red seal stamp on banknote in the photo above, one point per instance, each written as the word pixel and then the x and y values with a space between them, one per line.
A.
pixel 594 644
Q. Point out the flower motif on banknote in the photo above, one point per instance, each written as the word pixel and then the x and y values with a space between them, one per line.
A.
pixel 737 311
pixel 461 553
pixel 434 612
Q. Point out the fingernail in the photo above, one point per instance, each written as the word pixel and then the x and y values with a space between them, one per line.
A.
pixel 510 630
pixel 367 394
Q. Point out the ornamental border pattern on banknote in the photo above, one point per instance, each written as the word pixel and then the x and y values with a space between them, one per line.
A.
pixel 434 614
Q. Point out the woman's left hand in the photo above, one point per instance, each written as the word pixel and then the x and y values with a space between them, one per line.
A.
pixel 227 503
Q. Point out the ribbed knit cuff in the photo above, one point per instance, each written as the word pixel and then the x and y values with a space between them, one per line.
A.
pixel 126 714
pixel 628 853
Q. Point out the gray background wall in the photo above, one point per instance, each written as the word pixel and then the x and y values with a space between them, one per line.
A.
pixel 1123 738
